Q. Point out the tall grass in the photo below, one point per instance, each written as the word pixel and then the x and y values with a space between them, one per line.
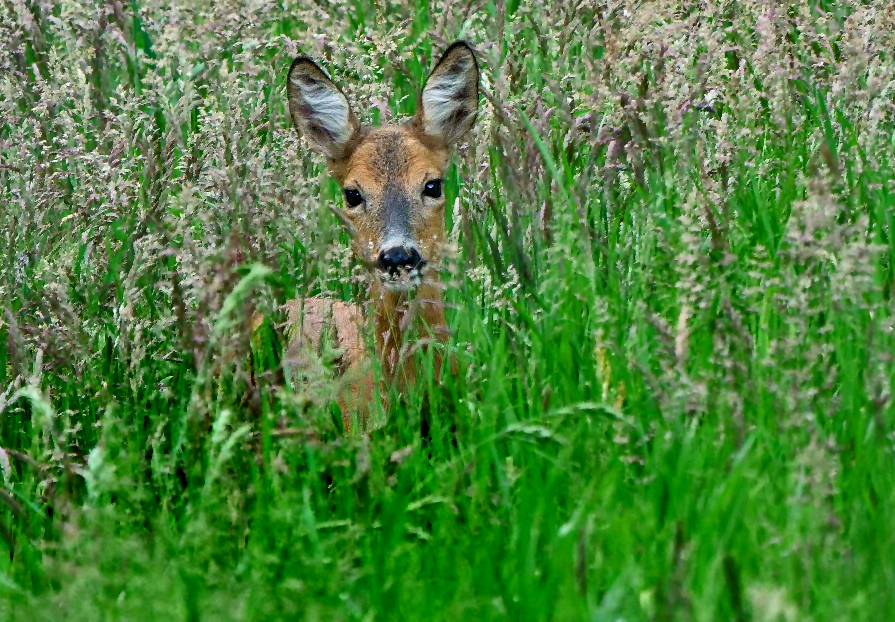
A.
pixel 671 298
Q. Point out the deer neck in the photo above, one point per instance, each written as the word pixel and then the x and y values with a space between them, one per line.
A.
pixel 402 320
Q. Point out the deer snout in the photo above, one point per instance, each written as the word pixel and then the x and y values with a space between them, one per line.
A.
pixel 394 260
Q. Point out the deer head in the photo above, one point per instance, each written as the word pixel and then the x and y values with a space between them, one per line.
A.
pixel 391 175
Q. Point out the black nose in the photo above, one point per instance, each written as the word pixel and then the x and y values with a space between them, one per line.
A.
pixel 394 259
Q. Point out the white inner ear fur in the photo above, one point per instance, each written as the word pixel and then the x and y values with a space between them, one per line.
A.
pixel 329 108
pixel 440 99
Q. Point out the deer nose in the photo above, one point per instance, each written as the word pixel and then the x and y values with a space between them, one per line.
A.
pixel 394 259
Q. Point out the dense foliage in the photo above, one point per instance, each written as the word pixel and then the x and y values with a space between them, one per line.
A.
pixel 670 294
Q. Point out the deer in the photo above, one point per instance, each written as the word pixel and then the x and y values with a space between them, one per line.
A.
pixel 392 180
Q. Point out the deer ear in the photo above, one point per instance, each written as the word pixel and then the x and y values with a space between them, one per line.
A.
pixel 319 109
pixel 450 99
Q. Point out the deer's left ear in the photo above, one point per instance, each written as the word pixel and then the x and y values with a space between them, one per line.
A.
pixel 449 102
pixel 319 109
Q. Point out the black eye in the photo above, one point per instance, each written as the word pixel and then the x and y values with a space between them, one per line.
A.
pixel 433 188
pixel 353 197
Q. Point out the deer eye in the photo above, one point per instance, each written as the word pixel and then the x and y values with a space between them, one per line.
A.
pixel 353 197
pixel 433 189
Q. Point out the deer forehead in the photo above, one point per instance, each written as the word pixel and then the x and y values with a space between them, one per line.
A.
pixel 394 157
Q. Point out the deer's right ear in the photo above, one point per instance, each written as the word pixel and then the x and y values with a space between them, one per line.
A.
pixel 319 109
pixel 450 98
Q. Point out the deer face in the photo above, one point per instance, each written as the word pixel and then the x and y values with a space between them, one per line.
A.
pixel 391 175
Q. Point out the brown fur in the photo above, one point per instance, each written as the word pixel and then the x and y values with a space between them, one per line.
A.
pixel 390 167
pixel 397 155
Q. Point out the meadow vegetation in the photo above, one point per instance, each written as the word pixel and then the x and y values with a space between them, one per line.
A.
pixel 670 294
